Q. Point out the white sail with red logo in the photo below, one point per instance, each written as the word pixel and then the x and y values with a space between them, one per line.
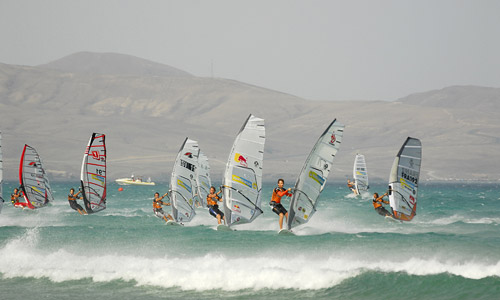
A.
pixel 360 174
pixel 35 185
pixel 203 182
pixel 242 182
pixel 93 175
pixel 183 182
pixel 312 178
pixel 404 180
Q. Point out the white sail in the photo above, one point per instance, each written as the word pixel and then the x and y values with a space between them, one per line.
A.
pixel 33 179
pixel 242 180
pixel 1 174
pixel 183 182
pixel 93 174
pixel 360 174
pixel 404 180
pixel 312 178
pixel 203 182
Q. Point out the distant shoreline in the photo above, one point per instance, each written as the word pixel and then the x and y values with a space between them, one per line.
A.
pixel 289 183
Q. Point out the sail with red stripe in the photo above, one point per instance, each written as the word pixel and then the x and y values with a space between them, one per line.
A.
pixel 35 185
pixel 93 176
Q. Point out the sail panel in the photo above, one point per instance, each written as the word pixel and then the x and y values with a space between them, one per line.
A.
pixel 314 174
pixel 93 174
pixel 360 174
pixel 203 182
pixel 242 180
pixel 33 179
pixel 183 181
pixel 404 180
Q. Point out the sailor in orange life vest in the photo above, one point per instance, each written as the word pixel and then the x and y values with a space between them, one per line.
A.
pixel 213 207
pixel 377 204
pixel 276 201
pixel 158 210
pixel 351 186
pixel 14 198
pixel 72 201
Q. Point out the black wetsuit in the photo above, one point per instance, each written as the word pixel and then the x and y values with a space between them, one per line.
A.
pixel 214 211
pixel 278 208
pixel 74 205
pixel 381 210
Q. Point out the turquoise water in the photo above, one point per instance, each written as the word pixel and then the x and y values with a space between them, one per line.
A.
pixel 451 250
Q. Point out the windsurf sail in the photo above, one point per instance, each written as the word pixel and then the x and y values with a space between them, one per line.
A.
pixel 1 173
pixel 33 179
pixel 93 176
pixel 242 182
pixel 203 182
pixel 312 178
pixel 404 180
pixel 183 181
pixel 360 174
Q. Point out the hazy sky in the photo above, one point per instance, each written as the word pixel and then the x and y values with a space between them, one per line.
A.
pixel 324 50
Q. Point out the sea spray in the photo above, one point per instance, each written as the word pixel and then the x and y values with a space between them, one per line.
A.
pixel 450 249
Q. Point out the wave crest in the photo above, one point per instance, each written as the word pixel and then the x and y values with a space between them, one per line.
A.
pixel 22 258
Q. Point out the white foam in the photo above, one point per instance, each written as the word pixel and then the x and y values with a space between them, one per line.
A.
pixel 469 220
pixel 42 217
pixel 21 257
pixel 351 196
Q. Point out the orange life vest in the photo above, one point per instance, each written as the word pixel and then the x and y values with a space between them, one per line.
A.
pixel 157 204
pixel 278 193
pixel 211 201
pixel 14 198
pixel 376 204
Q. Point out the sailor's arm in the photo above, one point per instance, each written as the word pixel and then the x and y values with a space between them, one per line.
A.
pixel 285 192
pixel 381 199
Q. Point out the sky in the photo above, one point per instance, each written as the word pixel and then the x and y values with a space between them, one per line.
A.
pixel 318 50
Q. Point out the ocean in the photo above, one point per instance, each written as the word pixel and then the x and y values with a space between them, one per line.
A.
pixel 451 250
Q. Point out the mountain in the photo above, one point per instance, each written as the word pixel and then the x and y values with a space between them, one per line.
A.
pixel 463 97
pixel 147 117
pixel 112 64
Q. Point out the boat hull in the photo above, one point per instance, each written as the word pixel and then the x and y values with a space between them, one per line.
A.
pixel 128 181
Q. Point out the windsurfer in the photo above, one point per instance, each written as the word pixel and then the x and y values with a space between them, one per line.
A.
pixel 377 204
pixel 276 201
pixel 72 202
pixel 213 207
pixel 352 186
pixel 157 207
pixel 14 198
pixel 16 195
